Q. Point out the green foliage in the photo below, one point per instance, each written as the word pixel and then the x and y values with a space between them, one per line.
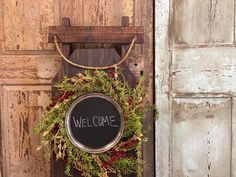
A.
pixel 130 99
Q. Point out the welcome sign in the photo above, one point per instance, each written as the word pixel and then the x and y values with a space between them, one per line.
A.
pixel 94 123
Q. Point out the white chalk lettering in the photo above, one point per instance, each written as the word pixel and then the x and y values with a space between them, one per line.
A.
pixel 76 122
pixel 95 121
pixel 113 120
pixel 95 118
pixel 84 122
pixel 105 120
pixel 100 122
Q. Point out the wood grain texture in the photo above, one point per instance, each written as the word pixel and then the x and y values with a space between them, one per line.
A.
pixel 204 70
pixel 147 57
pixel 1 27
pixel 199 22
pixel 94 12
pixel 96 34
pixel 74 9
pixel 162 90
pixel 1 137
pixel 195 68
pixel 233 165
pixel 27 69
pixel 25 24
pixel 21 109
pixel 114 10
pixel 201 137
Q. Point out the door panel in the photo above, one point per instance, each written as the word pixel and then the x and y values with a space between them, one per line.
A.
pixel 195 88
pixel 200 22
pixel 201 137
pixel 233 170
pixel 28 69
pixel 206 70
pixel 25 24
pixel 28 65
pixel 22 108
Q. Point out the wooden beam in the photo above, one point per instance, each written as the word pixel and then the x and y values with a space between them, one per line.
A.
pixel 96 34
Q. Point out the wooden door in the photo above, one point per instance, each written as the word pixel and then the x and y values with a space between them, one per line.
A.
pixel 28 65
pixel 195 88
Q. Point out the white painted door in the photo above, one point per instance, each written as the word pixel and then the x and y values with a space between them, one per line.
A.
pixel 195 88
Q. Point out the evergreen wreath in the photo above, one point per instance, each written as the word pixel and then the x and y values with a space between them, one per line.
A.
pixel 119 159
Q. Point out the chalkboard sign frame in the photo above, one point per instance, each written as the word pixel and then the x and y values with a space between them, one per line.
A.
pixel 83 147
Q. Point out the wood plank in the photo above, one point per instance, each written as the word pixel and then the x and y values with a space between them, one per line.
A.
pixel 199 22
pixel 114 10
pixel 21 110
pixel 25 24
pixel 96 34
pixel 201 137
pixel 148 72
pixel 136 62
pixel 1 137
pixel 95 15
pixel 28 69
pixel 204 70
pixel 162 90
pixel 233 167
pixel 94 12
pixel 74 9
pixel 1 26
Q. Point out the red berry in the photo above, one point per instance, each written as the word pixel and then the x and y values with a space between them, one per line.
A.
pixel 55 128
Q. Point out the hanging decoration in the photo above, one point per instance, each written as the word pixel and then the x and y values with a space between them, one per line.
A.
pixel 117 157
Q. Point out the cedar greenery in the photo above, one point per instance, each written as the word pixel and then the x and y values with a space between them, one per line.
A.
pixel 117 160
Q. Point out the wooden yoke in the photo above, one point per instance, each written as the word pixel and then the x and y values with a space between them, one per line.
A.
pixel 74 46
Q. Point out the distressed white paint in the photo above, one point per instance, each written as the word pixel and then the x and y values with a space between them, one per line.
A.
pixel 233 168
pixel 195 59
pixel 200 22
pixel 163 125
pixel 211 70
pixel 201 137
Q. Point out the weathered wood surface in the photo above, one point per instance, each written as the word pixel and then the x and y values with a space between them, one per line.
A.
pixel 21 109
pixel 26 59
pixel 25 24
pixel 28 69
pixel 144 66
pixel 203 22
pixel 162 89
pixel 201 137
pixel 233 165
pixel 210 70
pixel 233 157
pixel 96 34
pixel 195 76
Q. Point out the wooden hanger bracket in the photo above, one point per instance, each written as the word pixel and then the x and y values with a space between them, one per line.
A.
pixel 97 34
pixel 118 36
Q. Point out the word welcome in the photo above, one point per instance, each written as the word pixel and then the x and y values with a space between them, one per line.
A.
pixel 96 121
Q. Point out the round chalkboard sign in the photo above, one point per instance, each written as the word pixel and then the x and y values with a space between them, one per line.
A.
pixel 94 123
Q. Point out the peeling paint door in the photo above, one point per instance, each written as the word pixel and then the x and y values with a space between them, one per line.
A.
pixel 195 88
pixel 28 64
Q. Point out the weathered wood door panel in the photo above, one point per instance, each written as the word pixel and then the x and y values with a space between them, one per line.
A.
pixel 28 64
pixel 201 137
pixel 195 88
pixel 21 108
